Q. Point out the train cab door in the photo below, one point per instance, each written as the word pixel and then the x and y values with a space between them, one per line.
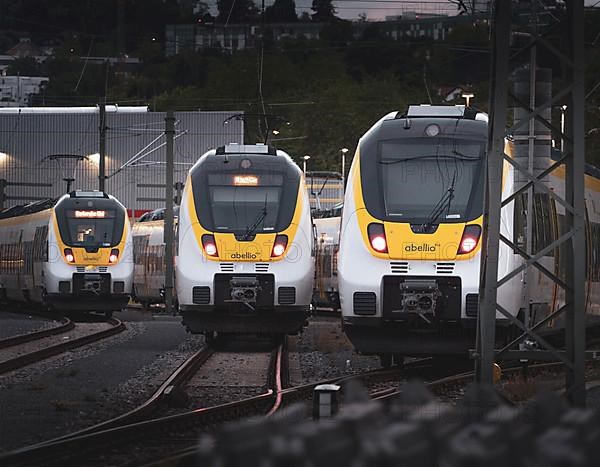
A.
pixel 588 261
pixel 18 269
pixel 140 252
pixel 39 257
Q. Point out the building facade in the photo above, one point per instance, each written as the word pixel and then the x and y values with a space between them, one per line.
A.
pixel 40 152
pixel 233 37
pixel 17 91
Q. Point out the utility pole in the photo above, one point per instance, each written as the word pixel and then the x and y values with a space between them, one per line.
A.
pixel 575 331
pixel 102 151
pixel 121 27
pixel 168 232
pixel 2 194
pixel 532 178
pixel 486 319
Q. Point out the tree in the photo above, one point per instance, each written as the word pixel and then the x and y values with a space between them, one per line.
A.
pixel 26 66
pixel 324 11
pixel 282 11
pixel 236 11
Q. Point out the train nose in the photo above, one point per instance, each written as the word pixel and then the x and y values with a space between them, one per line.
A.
pixel 425 303
pixel 411 303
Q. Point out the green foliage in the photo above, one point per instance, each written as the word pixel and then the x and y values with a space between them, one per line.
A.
pixel 26 66
pixel 236 11
pixel 324 11
pixel 337 33
pixel 282 11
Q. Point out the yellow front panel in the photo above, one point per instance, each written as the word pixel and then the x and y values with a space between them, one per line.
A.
pixel 442 245
pixel 83 258
pixel 229 249
pixel 403 243
pixel 258 250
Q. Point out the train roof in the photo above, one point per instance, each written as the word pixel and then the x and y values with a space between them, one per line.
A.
pixel 235 148
pixel 591 170
pixel 158 215
pixel 324 174
pixel 42 205
pixel 25 209
pixel 443 111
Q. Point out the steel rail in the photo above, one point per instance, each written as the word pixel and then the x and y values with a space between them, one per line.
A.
pixel 65 325
pixel 42 354
pixel 80 445
pixel 176 380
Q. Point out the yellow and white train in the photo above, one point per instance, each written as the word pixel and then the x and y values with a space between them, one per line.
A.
pixel 245 261
pixel 410 242
pixel 70 254
pixel 149 256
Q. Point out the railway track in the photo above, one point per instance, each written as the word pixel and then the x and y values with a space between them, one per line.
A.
pixel 132 427
pixel 16 354
pixel 135 427
pixel 65 325
pixel 152 438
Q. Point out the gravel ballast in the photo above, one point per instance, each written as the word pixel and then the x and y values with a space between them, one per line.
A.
pixel 92 383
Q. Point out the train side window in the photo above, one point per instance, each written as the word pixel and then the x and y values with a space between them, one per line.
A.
pixel 588 250
pixel 40 244
pixel 595 251
pixel 520 221
pixel 542 231
pixel 28 251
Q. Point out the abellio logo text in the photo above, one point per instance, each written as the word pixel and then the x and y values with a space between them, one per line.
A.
pixel 246 255
pixel 423 248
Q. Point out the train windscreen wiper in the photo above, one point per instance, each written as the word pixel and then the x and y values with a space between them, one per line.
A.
pixel 442 205
pixel 259 219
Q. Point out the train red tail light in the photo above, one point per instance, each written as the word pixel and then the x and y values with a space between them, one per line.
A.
pixel 114 256
pixel 279 246
pixel 209 245
pixel 69 255
pixel 469 240
pixel 377 238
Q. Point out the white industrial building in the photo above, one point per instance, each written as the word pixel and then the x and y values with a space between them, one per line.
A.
pixel 41 148
pixel 16 91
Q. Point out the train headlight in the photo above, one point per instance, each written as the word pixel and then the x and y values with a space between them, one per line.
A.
pixel 470 239
pixel 279 246
pixel 114 256
pixel 377 237
pixel 69 255
pixel 209 245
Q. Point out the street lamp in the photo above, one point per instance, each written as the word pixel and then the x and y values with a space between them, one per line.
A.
pixel 304 164
pixel 563 109
pixel 94 158
pixel 468 96
pixel 344 151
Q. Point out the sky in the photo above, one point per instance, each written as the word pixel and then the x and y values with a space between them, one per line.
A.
pixel 376 9
pixel 379 9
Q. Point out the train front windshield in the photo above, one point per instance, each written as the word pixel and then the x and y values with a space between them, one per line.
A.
pixel 92 224
pixel 90 227
pixel 431 181
pixel 236 208
pixel 245 202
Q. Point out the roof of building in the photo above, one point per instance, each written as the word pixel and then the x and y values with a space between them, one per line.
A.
pixel 25 48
